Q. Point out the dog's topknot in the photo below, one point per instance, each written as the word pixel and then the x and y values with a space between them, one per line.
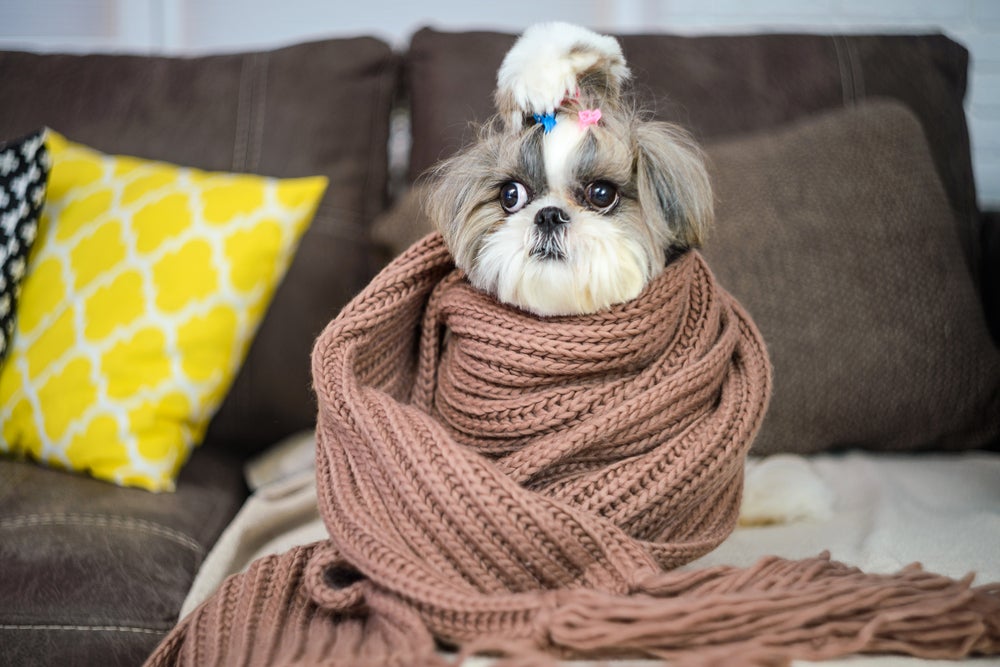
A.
pixel 554 61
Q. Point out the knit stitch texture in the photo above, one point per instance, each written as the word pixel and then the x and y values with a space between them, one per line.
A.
pixel 506 484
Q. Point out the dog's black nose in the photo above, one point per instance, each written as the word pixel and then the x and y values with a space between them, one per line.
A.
pixel 551 217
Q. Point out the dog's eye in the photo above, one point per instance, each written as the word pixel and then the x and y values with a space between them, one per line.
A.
pixel 513 196
pixel 601 195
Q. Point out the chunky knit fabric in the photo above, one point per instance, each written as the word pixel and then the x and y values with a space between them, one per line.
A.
pixel 507 484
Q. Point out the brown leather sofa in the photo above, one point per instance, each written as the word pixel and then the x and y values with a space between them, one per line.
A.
pixel 93 574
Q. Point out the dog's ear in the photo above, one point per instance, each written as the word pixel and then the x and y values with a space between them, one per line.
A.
pixel 551 62
pixel 454 192
pixel 449 188
pixel 673 183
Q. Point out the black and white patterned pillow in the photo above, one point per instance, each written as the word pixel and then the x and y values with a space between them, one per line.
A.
pixel 24 173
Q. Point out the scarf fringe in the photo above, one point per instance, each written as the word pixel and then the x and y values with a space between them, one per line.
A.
pixel 811 609
pixel 763 616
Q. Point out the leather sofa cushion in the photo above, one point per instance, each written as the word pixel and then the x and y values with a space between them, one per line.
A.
pixel 95 573
pixel 312 109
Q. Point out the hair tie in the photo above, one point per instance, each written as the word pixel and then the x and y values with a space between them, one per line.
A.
pixel 589 117
pixel 547 120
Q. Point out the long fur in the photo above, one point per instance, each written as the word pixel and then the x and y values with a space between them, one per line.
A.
pixel 600 257
pixel 551 61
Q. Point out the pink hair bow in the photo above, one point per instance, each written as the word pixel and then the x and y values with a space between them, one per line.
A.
pixel 589 117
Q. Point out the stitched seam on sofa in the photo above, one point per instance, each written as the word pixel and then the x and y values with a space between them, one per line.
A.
pixel 846 85
pixel 99 521
pixel 242 135
pixel 86 628
pixel 857 71
pixel 239 136
pixel 384 91
pixel 258 111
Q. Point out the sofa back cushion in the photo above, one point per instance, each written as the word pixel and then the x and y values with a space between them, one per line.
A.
pixel 312 109
pixel 718 86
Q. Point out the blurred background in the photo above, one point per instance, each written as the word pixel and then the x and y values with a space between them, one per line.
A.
pixel 189 27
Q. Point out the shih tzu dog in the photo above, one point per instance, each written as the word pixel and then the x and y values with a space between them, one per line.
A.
pixel 570 201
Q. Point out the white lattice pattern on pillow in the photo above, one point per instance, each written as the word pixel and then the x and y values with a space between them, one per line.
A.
pixel 145 292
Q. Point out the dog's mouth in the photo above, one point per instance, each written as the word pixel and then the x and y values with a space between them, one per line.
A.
pixel 548 245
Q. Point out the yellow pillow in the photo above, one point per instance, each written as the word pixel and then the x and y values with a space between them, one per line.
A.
pixel 143 293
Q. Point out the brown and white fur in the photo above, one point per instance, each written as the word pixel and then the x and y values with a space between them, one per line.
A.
pixel 576 219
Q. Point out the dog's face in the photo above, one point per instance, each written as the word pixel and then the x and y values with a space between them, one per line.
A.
pixel 573 220
pixel 569 207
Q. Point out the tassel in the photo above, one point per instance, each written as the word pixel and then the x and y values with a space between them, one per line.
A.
pixel 812 609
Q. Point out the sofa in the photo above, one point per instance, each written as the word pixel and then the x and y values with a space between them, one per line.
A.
pixel 847 224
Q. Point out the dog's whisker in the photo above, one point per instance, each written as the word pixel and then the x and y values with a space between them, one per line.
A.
pixel 549 245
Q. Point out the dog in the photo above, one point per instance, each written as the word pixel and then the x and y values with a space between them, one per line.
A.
pixel 571 200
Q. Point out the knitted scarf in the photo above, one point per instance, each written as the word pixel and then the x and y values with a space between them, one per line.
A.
pixel 510 485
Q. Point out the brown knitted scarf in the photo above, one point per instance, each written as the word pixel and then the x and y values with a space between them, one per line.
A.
pixel 522 486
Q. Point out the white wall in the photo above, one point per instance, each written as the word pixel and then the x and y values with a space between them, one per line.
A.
pixel 198 26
